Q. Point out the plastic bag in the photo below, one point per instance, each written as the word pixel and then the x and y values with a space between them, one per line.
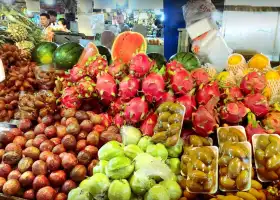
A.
pixel 45 77
pixel 195 10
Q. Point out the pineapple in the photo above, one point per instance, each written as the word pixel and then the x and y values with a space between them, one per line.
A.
pixel 17 32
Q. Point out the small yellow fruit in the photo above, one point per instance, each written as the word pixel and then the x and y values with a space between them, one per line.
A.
pixel 255 184
pixel 259 61
pixel 235 59
pixel 272 75
pixel 267 92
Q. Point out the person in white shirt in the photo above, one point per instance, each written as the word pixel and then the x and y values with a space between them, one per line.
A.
pixel 47 29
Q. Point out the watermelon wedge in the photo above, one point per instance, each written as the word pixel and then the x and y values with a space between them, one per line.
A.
pixel 89 51
pixel 127 44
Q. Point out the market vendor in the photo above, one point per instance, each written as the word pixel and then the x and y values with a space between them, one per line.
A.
pixel 120 20
pixel 45 24
pixel 62 25
pixel 53 16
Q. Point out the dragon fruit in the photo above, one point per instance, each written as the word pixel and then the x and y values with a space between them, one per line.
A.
pixel 118 120
pixel 116 106
pixel 206 92
pixel 200 76
pixel 166 96
pixel 106 119
pixel 233 112
pixel 153 87
pixel 182 82
pixel 253 82
pixel 106 88
pixel 96 66
pixel 69 97
pixel 85 87
pixel 272 122
pixel 204 119
pixel 147 126
pixel 128 87
pixel 117 69
pixel 232 94
pixel 253 127
pixel 257 103
pixel 136 110
pixel 140 65
pixel 77 73
pixel 189 102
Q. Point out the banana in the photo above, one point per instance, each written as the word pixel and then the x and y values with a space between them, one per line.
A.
pixel 255 193
pixel 246 196
pixel 255 184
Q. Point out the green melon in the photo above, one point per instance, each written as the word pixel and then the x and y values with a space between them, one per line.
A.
pixel 159 58
pixel 43 53
pixel 189 60
pixel 67 55
pixel 104 51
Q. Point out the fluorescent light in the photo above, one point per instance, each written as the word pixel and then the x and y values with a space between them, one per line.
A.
pixel 50 2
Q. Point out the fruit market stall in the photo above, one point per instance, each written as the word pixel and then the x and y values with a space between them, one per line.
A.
pixel 130 125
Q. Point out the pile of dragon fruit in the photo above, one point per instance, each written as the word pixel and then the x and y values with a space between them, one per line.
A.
pixel 130 93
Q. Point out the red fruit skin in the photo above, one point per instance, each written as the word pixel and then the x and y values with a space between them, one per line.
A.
pixel 16 132
pixel 106 88
pixel 166 97
pixel 77 73
pixel 232 94
pixel 128 88
pixel 272 122
pixel 57 178
pixel 47 145
pixel 15 174
pixel 61 196
pixel 50 131
pixel 56 141
pixel 85 87
pixel 200 76
pixel 258 104
pixel 40 182
pixel 116 107
pixel 68 186
pixel 153 87
pixel 46 193
pixel 69 161
pixel 136 110
pixel 29 194
pixel 106 119
pixel 253 82
pixel 69 98
pixel 253 127
pixel 181 82
pixel 53 162
pixel 189 102
pixel 140 65
pixel 206 92
pixel 25 125
pixel 185 133
pixel 148 125
pixel 5 169
pixel 97 66
pixel 233 112
pixel 118 120
pixel 40 128
pixel 117 69
pixel 39 167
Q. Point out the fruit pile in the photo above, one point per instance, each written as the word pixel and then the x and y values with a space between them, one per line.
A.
pixel 51 156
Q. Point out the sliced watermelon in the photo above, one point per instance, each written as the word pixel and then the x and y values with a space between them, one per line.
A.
pixel 127 44
pixel 89 51
pixel 189 60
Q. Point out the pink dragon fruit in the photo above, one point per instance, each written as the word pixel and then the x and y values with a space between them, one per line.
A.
pixel 253 127
pixel 258 104
pixel 128 87
pixel 140 65
pixel 272 122
pixel 165 97
pixel 77 73
pixel 232 94
pixel 233 112
pixel 200 76
pixel 204 119
pixel 147 126
pixel 118 120
pixel 116 106
pixel 106 88
pixel 85 87
pixel 153 87
pixel 117 69
pixel 181 82
pixel 136 110
pixel 174 66
pixel 206 92
pixel 96 66
pixel 188 100
pixel 254 82
pixel 69 97
pixel 106 119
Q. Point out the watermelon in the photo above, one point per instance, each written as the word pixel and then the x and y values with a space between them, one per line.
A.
pixel 43 53
pixel 104 51
pixel 127 44
pixel 67 55
pixel 159 58
pixel 89 51
pixel 189 60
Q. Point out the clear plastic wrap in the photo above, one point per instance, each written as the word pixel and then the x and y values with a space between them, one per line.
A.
pixel 26 107
pixel 195 10
pixel 45 77
pixel 235 166
pixel 199 166
pixel 169 123
pixel 231 134
pixel 267 156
